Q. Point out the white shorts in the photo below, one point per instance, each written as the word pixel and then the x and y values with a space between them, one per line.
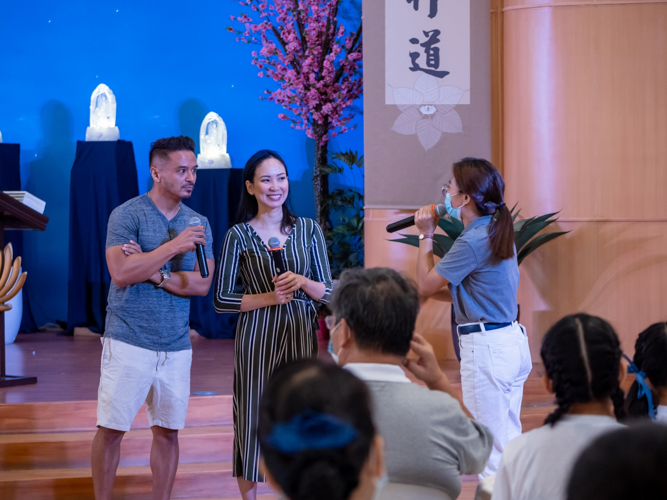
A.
pixel 131 375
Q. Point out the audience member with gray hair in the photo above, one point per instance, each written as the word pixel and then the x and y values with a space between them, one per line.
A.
pixel 430 439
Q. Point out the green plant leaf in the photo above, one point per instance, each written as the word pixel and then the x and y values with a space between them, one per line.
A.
pixel 350 158
pixel 331 168
pixel 408 239
pixel 536 243
pixel 444 243
pixel 529 231
pixel 453 227
pixel 542 218
pixel 518 226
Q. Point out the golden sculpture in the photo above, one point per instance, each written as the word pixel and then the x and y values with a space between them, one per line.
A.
pixel 10 281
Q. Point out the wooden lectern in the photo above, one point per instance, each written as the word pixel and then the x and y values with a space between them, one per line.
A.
pixel 15 215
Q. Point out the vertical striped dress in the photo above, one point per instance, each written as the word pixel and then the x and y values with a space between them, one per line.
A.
pixel 270 336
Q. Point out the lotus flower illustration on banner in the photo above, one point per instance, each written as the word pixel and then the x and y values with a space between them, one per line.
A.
pixel 428 110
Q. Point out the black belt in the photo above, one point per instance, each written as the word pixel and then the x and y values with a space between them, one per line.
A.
pixel 465 330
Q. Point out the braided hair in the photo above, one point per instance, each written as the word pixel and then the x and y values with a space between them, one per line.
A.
pixel 582 355
pixel 650 358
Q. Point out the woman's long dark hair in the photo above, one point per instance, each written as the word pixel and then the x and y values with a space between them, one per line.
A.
pixel 248 207
pixel 582 355
pixel 326 472
pixel 651 358
pixel 480 180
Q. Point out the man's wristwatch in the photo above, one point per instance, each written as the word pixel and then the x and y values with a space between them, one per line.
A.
pixel 165 277
pixel 425 237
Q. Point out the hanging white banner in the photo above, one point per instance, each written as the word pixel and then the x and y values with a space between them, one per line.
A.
pixel 427 37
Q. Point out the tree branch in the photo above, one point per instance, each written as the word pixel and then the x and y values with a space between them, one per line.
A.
pixel 295 61
pixel 299 25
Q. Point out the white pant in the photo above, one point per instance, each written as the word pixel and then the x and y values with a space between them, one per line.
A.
pixel 494 366
pixel 131 375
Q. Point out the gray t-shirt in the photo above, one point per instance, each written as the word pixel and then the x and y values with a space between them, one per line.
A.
pixel 428 439
pixel 483 288
pixel 142 315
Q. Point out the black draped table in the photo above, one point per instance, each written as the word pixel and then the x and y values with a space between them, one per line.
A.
pixel 216 196
pixel 104 176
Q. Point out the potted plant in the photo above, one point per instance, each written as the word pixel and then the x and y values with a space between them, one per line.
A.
pixel 345 237
pixel 345 206
pixel 526 239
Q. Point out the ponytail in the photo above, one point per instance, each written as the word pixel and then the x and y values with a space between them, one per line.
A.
pixel 501 233
pixel 480 180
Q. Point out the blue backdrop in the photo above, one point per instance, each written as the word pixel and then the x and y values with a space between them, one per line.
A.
pixel 168 63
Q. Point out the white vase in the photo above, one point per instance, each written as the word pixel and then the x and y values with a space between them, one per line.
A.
pixel 13 318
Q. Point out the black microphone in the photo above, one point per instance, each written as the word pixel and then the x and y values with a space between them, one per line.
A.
pixel 201 257
pixel 439 211
pixel 276 252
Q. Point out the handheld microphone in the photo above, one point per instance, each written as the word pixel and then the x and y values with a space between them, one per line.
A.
pixel 201 257
pixel 439 211
pixel 276 252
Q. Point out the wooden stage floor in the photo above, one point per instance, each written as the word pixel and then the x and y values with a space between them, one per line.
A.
pixel 68 369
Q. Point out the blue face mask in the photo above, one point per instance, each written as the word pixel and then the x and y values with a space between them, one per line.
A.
pixel 455 213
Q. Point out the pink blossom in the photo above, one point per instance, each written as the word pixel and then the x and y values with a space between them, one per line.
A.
pixel 314 62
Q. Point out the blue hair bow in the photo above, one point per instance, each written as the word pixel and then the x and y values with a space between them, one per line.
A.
pixel 644 389
pixel 311 431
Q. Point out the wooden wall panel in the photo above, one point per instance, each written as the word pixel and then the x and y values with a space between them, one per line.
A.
pixel 617 270
pixel 497 100
pixel 586 110
pixel 585 121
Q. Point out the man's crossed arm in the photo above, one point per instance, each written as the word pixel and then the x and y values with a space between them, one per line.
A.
pixel 128 265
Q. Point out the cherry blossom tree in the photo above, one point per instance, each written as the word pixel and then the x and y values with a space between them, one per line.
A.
pixel 316 62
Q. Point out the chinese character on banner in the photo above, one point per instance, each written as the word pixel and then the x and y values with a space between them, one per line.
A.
pixel 432 54
pixel 433 8
pixel 427 38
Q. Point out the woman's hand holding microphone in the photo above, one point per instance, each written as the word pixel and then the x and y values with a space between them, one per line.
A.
pixel 285 286
pixel 425 220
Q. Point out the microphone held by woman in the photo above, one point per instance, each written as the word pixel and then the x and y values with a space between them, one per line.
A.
pixel 439 211
pixel 276 251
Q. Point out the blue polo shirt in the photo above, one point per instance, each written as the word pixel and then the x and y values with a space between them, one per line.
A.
pixel 483 288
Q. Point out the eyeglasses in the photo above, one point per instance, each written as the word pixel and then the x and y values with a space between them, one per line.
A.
pixel 330 321
pixel 445 189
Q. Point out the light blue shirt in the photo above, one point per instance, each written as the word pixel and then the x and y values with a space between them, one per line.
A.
pixel 483 288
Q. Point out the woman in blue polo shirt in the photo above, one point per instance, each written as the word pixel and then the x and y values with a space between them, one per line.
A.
pixel 482 274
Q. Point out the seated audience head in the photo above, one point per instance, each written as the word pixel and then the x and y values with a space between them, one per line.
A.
pixel 627 463
pixel 173 166
pixel 317 435
pixel 267 188
pixel 375 311
pixel 651 360
pixel 582 359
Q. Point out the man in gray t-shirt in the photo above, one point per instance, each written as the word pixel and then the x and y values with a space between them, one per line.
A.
pixel 146 355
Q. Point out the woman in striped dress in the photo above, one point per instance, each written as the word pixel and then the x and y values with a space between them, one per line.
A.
pixel 277 320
